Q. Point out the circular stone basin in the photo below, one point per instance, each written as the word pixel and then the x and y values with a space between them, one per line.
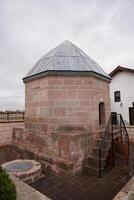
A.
pixel 26 170
pixel 19 166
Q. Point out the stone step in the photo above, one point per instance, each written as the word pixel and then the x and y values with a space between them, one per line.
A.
pixel 94 161
pixel 97 142
pixel 116 133
pixel 90 169
pixel 104 152
pixel 105 145
pixel 93 170
pixel 116 130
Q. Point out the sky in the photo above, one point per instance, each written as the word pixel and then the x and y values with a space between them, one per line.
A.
pixel 104 29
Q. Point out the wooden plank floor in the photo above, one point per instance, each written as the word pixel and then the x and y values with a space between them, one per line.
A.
pixel 82 187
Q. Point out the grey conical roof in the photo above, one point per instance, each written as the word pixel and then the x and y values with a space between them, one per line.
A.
pixel 66 57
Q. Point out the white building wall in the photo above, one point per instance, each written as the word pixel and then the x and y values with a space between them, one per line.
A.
pixel 123 82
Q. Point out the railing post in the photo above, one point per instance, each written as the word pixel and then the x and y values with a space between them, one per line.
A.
pixel 128 149
pixel 113 156
pixel 128 156
pixel 121 127
pixel 7 116
pixel 23 116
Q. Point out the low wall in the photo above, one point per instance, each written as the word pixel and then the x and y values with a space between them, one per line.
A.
pixel 6 131
pixel 65 150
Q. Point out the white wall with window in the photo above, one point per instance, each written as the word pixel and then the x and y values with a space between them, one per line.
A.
pixel 122 93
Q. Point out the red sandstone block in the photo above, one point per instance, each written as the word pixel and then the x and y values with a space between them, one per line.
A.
pixel 71 114
pixel 64 94
pixel 43 94
pixel 85 103
pixel 35 96
pixel 82 114
pixel 57 87
pixel 84 94
pixel 60 112
pixel 67 103
pixel 35 84
pixel 69 87
pixel 44 127
pixel 72 94
pixel 78 82
pixel 47 87
pixel 80 109
pixel 43 83
pixel 46 103
pixel 68 82
pixel 63 144
pixel 37 111
pixel 52 120
pixel 54 81
pixel 46 112
pixel 74 121
pixel 87 82
pixel 54 94
pixel 87 87
pixel 34 104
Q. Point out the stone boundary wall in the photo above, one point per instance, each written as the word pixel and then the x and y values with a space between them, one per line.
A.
pixel 130 130
pixel 6 131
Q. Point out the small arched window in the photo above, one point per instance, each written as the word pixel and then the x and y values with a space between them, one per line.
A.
pixel 101 113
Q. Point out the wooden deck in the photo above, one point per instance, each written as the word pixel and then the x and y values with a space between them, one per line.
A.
pixel 82 187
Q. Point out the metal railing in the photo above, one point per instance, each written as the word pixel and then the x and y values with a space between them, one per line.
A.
pixel 115 129
pixel 12 116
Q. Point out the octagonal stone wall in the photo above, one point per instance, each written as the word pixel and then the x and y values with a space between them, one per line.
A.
pixel 55 100
pixel 62 118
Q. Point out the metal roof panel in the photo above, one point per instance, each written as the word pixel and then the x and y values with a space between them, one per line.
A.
pixel 66 57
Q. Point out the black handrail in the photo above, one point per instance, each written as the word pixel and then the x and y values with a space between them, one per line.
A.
pixel 112 134
pixel 102 143
pixel 126 136
pixel 108 136
pixel 105 133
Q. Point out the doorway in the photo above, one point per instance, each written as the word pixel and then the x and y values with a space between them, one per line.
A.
pixel 131 115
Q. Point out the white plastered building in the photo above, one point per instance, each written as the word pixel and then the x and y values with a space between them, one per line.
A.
pixel 122 93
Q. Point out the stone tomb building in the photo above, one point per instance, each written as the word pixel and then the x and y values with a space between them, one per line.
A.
pixel 67 105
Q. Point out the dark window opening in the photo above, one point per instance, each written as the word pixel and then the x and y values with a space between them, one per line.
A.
pixel 101 113
pixel 131 115
pixel 114 118
pixel 117 96
pixel 133 104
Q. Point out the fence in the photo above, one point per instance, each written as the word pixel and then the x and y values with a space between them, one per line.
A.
pixel 12 117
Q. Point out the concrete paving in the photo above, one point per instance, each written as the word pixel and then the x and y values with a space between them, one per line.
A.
pixel 127 192
pixel 26 192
